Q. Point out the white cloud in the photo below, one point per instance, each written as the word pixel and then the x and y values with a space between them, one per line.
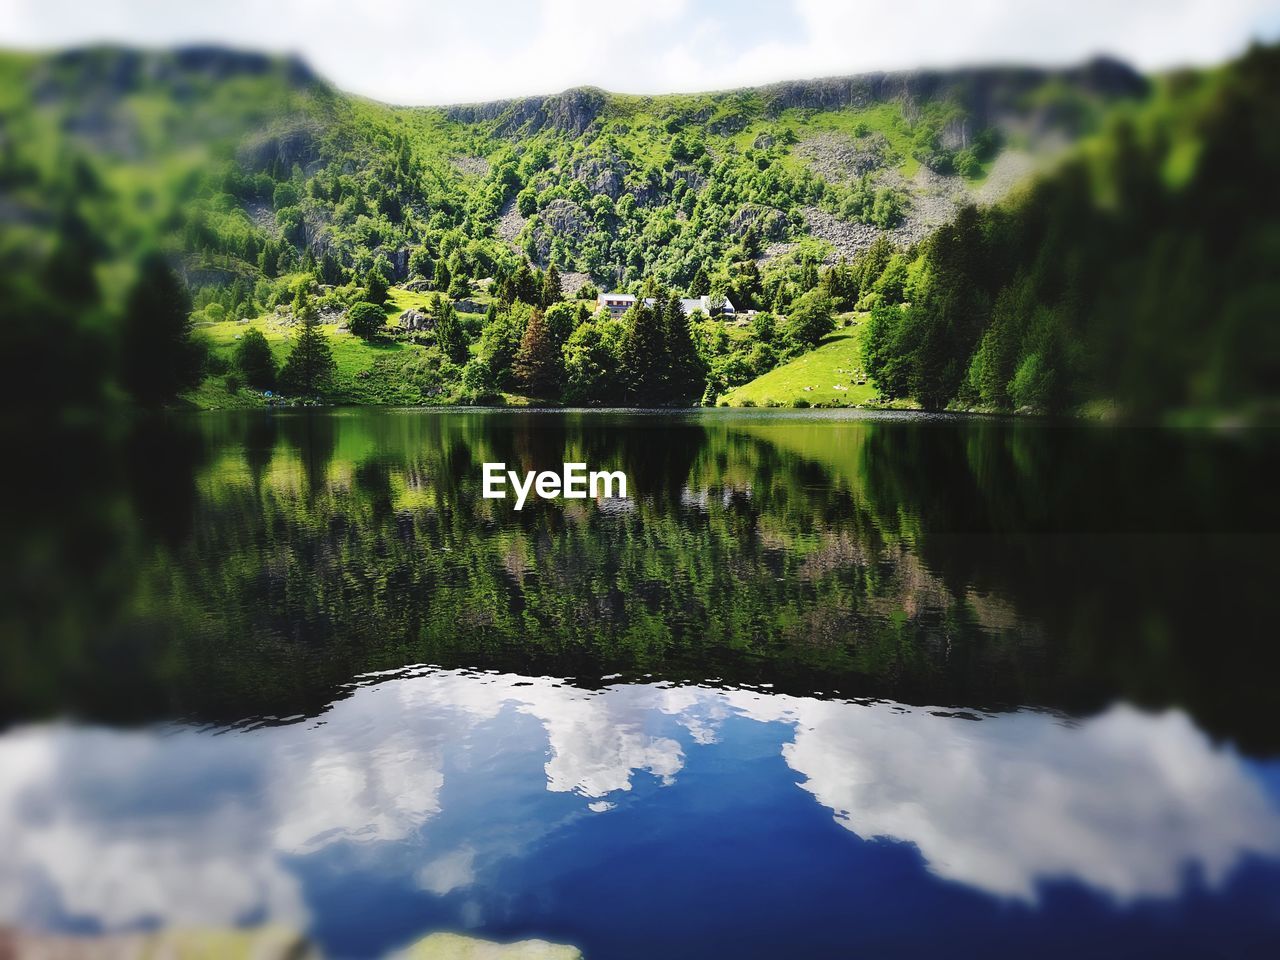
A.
pixel 406 51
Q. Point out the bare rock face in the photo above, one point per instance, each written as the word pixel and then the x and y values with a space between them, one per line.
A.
pixel 570 112
pixel 559 218
pixel 771 222
pixel 399 260
pixel 602 175
pixel 836 157
pixel 286 146
pixel 417 320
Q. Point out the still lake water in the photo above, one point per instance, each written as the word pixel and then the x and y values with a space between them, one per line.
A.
pixel 827 685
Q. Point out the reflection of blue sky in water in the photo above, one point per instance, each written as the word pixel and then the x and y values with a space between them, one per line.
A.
pixel 464 787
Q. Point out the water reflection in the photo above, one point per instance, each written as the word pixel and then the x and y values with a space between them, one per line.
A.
pixel 251 564
pixel 431 782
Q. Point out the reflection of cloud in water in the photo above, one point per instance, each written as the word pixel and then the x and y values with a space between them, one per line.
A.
pixel 189 827
pixel 1121 803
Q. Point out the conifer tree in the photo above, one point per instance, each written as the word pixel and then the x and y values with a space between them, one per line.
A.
pixel 644 355
pixel 309 367
pixel 552 292
pixel 159 359
pixel 449 334
pixel 376 286
pixel 687 377
pixel 538 362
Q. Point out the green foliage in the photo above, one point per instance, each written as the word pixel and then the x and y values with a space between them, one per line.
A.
pixel 593 363
pixel 310 366
pixel 366 320
pixel 811 319
pixel 500 341
pixel 158 357
pixel 376 287
pixel 253 360
pixel 1139 271
pixel 450 337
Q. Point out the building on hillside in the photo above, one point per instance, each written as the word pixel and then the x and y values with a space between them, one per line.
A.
pixel 703 303
pixel 619 303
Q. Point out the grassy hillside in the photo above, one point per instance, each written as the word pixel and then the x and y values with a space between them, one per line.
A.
pixel 830 375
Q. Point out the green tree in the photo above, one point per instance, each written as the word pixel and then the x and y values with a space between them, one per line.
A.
pixel 159 359
pixel 366 320
pixel 811 319
pixel 687 376
pixel 593 363
pixel 253 360
pixel 450 336
pixel 500 341
pixel 375 287
pixel 645 360
pixel 552 292
pixel 310 367
pixel 562 318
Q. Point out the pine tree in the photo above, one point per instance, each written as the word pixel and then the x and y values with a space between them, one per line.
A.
pixel 552 292
pixel 687 377
pixel 376 285
pixel 524 285
pixel 538 362
pixel 159 358
pixel 449 334
pixel 644 355
pixel 701 285
pixel 309 367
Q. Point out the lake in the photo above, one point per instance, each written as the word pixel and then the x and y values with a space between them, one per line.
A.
pixel 825 684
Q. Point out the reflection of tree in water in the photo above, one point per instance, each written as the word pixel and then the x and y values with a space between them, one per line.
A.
pixel 1131 548
pixel 877 558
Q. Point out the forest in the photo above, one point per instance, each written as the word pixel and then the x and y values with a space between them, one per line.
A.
pixel 211 228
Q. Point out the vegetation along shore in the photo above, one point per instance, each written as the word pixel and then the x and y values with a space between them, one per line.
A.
pixel 209 228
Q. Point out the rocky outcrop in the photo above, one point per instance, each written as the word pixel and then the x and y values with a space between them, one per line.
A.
pixel 770 222
pixel 398 257
pixel 417 320
pixel 986 93
pixel 570 112
pixel 602 174
pixel 836 157
pixel 297 143
pixel 559 218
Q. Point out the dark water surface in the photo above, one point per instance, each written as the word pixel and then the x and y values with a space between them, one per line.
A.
pixel 824 686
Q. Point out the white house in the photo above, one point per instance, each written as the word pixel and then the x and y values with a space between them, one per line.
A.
pixel 620 303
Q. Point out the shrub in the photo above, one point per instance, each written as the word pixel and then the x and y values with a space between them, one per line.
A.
pixel 253 360
pixel 366 320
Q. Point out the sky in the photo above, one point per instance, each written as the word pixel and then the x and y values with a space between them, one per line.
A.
pixel 430 52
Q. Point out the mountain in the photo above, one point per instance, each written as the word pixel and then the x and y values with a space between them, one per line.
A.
pixel 755 170
pixel 815 202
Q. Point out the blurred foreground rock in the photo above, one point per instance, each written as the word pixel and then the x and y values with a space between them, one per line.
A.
pixel 262 943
